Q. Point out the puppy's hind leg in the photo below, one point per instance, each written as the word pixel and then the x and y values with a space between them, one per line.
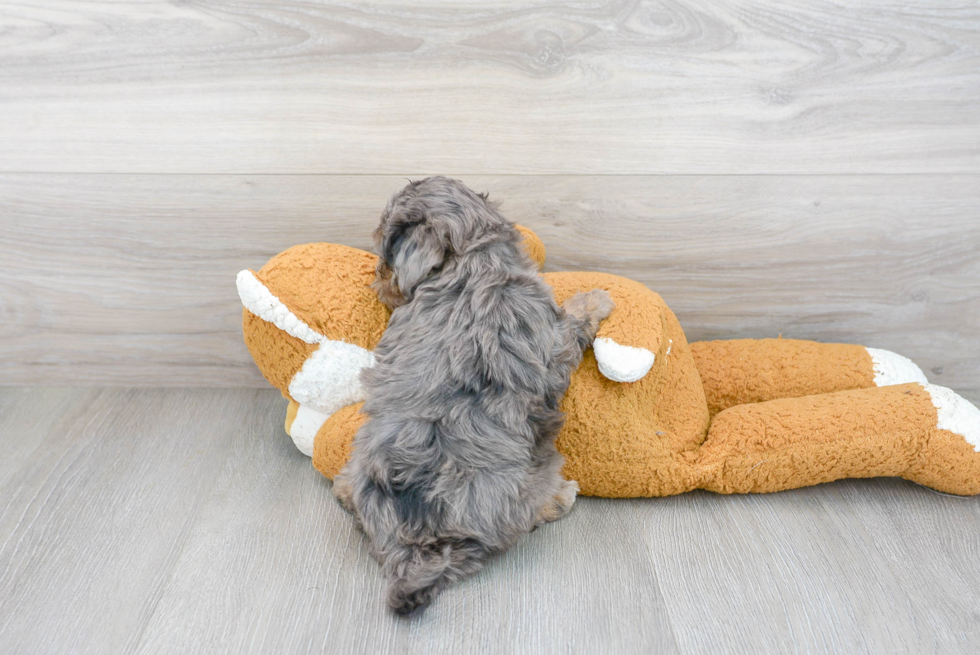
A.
pixel 343 492
pixel 587 309
pixel 559 505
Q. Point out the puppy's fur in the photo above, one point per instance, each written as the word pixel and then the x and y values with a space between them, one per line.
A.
pixel 458 458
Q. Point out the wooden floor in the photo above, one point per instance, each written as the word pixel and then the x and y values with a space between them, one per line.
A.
pixel 184 521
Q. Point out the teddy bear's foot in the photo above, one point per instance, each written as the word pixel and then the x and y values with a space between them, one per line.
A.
pixel 949 459
pixel 891 368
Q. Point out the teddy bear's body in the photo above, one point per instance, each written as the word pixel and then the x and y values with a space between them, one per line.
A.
pixel 647 414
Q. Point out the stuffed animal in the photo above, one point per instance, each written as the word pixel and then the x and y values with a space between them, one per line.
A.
pixel 647 413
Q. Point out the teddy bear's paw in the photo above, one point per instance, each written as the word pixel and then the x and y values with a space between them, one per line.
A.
pixel 304 427
pixel 621 363
pixel 891 368
pixel 947 459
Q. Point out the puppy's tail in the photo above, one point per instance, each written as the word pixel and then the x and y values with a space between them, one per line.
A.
pixel 418 572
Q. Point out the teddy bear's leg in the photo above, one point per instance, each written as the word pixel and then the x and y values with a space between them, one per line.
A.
pixel 755 370
pixel 923 433
pixel 335 439
pixel 533 245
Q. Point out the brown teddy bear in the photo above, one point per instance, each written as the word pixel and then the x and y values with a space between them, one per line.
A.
pixel 647 413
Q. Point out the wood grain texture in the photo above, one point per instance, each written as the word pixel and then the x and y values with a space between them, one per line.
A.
pixel 163 521
pixel 274 565
pixel 299 86
pixel 788 569
pixel 949 617
pixel 97 515
pixel 24 425
pixel 118 279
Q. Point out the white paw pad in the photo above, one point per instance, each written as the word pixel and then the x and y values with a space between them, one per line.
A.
pixel 891 368
pixel 956 414
pixel 621 363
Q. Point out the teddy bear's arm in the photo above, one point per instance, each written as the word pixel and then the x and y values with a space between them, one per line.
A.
pixel 632 337
pixel 756 370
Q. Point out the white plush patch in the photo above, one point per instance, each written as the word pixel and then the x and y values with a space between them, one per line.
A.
pixel 304 428
pixel 331 377
pixel 891 368
pixel 621 363
pixel 260 301
pixel 956 414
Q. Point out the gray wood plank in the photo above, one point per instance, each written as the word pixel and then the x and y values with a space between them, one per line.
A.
pixel 120 279
pixel 930 543
pixel 289 86
pixel 27 415
pixel 185 521
pixel 274 565
pixel 96 517
pixel 805 571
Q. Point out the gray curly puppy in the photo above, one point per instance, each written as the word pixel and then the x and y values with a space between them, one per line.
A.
pixel 458 457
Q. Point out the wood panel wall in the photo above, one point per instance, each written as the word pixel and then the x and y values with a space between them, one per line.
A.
pixel 800 168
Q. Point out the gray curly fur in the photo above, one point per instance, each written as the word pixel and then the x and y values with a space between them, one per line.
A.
pixel 458 457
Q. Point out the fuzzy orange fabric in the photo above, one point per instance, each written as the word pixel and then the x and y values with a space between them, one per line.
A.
pixel 797 442
pixel 533 245
pixel 754 370
pixel 728 416
pixel 328 287
pixel 332 451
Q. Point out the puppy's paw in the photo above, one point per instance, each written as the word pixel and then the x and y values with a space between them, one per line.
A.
pixel 567 494
pixel 559 505
pixel 590 307
pixel 384 285
pixel 343 493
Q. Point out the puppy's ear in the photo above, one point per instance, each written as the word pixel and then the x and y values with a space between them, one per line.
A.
pixel 414 251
